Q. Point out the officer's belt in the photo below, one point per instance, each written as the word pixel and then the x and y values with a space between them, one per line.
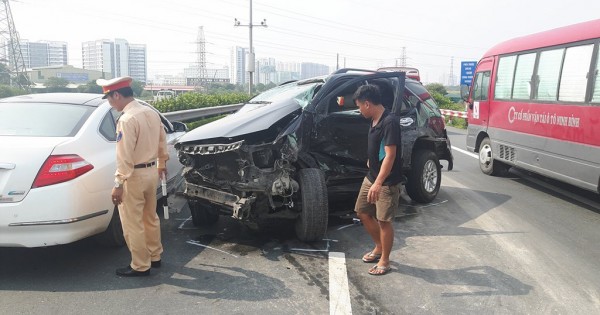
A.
pixel 144 165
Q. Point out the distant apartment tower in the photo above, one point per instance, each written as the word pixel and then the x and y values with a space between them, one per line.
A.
pixel 287 71
pixel 309 70
pixel 118 57
pixel 238 65
pixel 43 53
pixel 138 62
pixel 266 71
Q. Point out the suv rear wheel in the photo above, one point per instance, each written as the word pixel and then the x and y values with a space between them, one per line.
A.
pixel 312 223
pixel 425 177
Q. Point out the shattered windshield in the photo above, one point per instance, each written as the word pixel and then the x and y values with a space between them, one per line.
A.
pixel 302 92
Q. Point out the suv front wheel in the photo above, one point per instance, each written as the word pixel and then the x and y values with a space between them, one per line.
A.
pixel 203 214
pixel 425 177
pixel 312 224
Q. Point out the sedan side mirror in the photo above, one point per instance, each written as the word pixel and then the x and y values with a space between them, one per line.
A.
pixel 179 126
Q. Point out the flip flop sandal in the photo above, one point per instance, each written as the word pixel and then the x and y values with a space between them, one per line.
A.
pixel 379 270
pixel 371 257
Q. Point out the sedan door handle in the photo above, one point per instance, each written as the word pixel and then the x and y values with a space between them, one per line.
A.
pixel 7 166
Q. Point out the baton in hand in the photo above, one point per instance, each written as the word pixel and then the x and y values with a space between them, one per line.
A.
pixel 163 183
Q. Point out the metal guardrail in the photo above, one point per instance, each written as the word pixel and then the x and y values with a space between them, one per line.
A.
pixel 195 114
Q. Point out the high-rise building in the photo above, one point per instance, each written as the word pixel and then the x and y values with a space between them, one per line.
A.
pixel 118 57
pixel 266 71
pixel 138 62
pixel 43 53
pixel 287 71
pixel 98 55
pixel 238 65
pixel 309 70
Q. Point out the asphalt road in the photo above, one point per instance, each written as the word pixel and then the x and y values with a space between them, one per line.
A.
pixel 519 244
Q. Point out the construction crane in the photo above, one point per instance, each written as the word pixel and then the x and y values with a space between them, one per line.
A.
pixel 10 50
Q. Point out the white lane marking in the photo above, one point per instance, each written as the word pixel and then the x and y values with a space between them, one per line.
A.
pixel 183 223
pixel 346 226
pixel 473 155
pixel 339 292
pixel 206 246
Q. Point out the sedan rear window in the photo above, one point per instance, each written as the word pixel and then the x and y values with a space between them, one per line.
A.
pixel 42 119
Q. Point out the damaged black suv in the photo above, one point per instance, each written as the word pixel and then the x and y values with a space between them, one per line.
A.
pixel 291 149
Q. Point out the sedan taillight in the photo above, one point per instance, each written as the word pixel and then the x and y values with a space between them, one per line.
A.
pixel 61 168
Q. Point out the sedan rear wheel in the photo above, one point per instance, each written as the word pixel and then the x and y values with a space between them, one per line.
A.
pixel 113 236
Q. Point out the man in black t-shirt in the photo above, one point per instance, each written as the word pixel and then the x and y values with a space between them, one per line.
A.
pixel 379 194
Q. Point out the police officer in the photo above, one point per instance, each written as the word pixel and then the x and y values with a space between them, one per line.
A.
pixel 141 150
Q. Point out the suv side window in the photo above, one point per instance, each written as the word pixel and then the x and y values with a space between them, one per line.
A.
pixel 343 101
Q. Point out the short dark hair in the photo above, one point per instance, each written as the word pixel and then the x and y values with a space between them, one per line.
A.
pixel 125 92
pixel 369 92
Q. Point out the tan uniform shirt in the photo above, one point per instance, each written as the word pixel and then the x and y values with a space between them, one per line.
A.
pixel 141 139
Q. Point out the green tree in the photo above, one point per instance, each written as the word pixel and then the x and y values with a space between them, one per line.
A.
pixel 436 87
pixel 4 74
pixel 90 87
pixel 137 87
pixel 6 91
pixel 55 84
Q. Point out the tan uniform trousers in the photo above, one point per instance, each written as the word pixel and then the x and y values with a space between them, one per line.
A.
pixel 141 225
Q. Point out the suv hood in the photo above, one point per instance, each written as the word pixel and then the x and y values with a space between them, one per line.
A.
pixel 250 118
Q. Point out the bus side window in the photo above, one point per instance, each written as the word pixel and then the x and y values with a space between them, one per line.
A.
pixel 504 77
pixel 596 93
pixel 574 75
pixel 548 74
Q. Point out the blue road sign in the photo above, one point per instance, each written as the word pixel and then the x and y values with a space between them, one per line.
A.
pixel 467 70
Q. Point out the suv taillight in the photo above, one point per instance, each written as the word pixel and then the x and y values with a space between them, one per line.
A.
pixel 61 168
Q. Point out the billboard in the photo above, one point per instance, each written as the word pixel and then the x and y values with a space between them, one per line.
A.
pixel 467 69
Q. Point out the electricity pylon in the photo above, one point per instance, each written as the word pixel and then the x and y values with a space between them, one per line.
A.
pixel 10 49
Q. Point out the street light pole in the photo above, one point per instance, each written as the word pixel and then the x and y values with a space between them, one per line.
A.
pixel 251 62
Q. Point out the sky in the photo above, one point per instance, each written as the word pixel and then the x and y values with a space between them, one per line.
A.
pixel 435 34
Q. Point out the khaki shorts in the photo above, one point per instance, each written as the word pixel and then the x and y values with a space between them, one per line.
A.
pixel 385 208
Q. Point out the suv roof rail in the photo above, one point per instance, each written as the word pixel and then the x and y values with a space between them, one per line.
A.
pixel 346 70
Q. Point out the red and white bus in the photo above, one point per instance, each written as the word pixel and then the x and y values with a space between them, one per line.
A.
pixel 535 104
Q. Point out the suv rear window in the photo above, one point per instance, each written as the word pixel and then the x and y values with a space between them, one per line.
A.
pixel 42 119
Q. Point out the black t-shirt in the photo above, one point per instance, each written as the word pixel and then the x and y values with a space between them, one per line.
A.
pixel 386 132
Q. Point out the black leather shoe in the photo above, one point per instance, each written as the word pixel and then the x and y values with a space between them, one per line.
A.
pixel 155 264
pixel 128 272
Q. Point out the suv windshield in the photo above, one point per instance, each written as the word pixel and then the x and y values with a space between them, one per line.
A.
pixel 301 92
pixel 42 119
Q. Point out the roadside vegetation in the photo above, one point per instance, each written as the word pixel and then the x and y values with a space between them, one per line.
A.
pixel 441 97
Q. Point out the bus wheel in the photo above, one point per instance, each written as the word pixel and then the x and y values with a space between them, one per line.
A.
pixel 487 164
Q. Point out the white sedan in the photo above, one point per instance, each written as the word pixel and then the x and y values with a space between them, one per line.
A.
pixel 57 165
